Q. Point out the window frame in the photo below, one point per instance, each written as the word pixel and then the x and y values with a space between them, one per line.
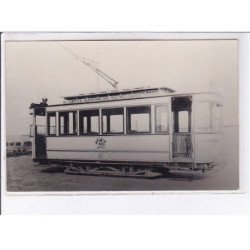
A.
pixel 81 133
pixel 187 122
pixel 76 123
pixel 168 117
pixel 128 120
pixel 48 123
pixel 112 133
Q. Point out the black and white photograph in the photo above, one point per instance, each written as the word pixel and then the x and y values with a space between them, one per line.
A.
pixel 121 114
pixel 124 124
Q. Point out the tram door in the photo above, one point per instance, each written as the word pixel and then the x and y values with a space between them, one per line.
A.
pixel 182 148
pixel 39 124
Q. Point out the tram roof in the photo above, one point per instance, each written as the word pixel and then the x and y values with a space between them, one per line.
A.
pixel 116 95
pixel 141 90
pixel 125 94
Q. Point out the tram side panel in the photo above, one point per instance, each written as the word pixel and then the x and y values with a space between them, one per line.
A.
pixel 208 136
pixel 208 148
pixel 125 148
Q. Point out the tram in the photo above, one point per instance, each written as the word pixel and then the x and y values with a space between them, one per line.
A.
pixel 141 132
pixel 22 146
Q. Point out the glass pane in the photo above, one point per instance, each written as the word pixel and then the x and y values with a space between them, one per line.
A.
pixel 161 119
pixel 40 124
pixel 85 126
pixel 71 127
pixel 94 124
pixel 116 123
pixel 140 122
pixel 62 124
pixel 40 120
pixel 183 121
pixel 52 123
pixel 112 120
pixel 89 121
pixel 139 119
pixel 68 123
pixel 104 124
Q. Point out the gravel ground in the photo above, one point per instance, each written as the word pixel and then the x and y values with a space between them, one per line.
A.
pixel 23 175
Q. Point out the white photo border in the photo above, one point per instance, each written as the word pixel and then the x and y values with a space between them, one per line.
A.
pixel 133 201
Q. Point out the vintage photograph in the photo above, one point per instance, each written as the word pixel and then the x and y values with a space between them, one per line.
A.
pixel 121 115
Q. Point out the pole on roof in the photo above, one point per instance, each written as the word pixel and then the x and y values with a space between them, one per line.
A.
pixel 85 61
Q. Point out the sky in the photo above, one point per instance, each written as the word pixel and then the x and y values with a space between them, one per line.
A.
pixel 38 69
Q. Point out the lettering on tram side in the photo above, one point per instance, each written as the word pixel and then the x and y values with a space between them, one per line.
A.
pixel 100 155
pixel 109 98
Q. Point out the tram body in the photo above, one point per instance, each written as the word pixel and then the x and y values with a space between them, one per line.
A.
pixel 142 127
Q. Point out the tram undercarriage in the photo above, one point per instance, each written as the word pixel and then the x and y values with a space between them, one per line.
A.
pixel 123 170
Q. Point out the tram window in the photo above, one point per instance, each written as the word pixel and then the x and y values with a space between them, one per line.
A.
pixel 161 119
pixel 183 118
pixel 52 123
pixel 203 117
pixel 68 123
pixel 138 119
pixel 12 144
pixel 40 124
pixel 217 117
pixel 112 121
pixel 18 143
pixel 7 144
pixel 89 122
